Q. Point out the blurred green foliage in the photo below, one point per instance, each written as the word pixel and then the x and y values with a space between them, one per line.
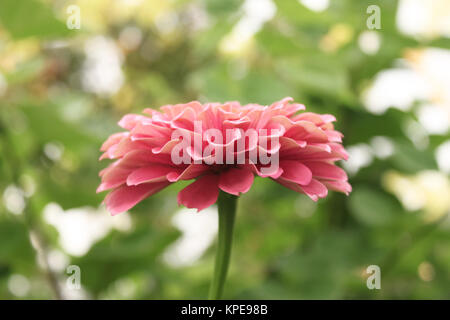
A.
pixel 286 247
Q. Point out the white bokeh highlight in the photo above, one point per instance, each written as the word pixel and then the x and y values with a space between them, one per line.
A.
pixel 198 233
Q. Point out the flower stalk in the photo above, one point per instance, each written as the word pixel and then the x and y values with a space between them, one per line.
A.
pixel 227 212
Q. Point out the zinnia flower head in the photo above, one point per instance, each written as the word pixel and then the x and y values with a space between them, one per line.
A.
pixel 223 147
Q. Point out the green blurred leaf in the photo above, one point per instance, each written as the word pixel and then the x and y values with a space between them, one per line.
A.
pixel 47 125
pixel 318 75
pixel 16 251
pixel 408 159
pixel 372 207
pixel 120 254
pixel 30 18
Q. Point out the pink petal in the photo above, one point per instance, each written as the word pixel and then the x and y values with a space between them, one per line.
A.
pixel 141 157
pixel 314 152
pixel 166 148
pixel 236 181
pixel 269 171
pixel 126 197
pixel 151 129
pixel 127 145
pixel 339 149
pixel 113 140
pixel 325 170
pixel 315 190
pixel 340 186
pixel 191 172
pixel 327 118
pixel 288 143
pixel 200 194
pixel 187 113
pixel 129 121
pixel 282 102
pixel 305 130
pixel 334 136
pixel 291 185
pixel 295 171
pixel 106 186
pixel 242 123
pixel 113 176
pixel 315 118
pixel 153 173
pixel 111 184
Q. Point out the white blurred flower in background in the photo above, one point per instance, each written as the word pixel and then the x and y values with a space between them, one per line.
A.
pixel 130 38
pixel 369 42
pixel 359 156
pixel 315 5
pixel 443 157
pixel 80 228
pixel 102 69
pixel 14 199
pixel 433 65
pixel 198 233
pixel 255 14
pixel 424 81
pixel 424 76
pixel 427 190
pixel 424 18
pixel 18 285
pixel 398 88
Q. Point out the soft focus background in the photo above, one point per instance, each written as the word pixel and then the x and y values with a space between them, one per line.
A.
pixel 62 92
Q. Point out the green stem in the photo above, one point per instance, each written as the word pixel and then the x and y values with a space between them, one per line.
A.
pixel 227 214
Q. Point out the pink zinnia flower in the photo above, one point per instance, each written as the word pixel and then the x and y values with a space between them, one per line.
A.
pixel 305 145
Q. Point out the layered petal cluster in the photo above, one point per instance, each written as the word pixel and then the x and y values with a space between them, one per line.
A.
pixel 305 145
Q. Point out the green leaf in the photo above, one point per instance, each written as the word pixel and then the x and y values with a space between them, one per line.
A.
pixel 15 249
pixel 317 74
pixel 372 207
pixel 48 125
pixel 120 254
pixel 30 18
pixel 409 159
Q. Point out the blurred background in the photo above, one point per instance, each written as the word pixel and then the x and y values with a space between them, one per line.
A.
pixel 63 90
